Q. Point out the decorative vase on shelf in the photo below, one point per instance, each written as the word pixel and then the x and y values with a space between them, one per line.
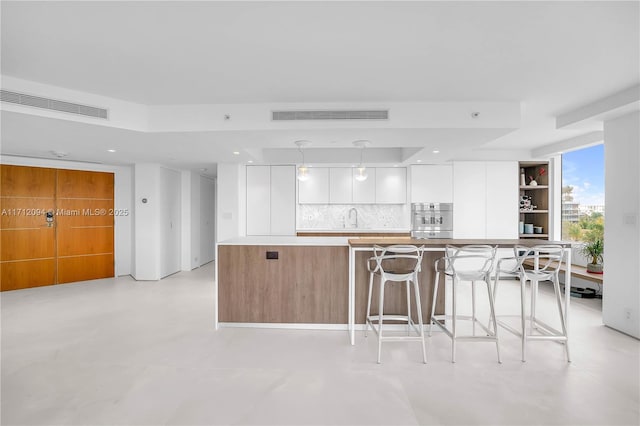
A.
pixel 533 183
pixel 522 179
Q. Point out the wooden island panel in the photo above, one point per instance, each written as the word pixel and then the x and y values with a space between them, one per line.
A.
pixel 306 284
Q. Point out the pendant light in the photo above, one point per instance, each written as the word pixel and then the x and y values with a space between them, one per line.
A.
pixel 303 170
pixel 361 170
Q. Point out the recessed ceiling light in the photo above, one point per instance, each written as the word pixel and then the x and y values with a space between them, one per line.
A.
pixel 204 169
pixel 395 165
pixel 419 161
pixel 250 161
pixel 236 152
pixel 435 151
pixel 59 154
pixel 111 150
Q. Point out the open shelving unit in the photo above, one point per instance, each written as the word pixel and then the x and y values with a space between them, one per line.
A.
pixel 539 194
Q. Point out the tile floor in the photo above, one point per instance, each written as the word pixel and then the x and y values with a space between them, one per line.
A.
pixel 121 352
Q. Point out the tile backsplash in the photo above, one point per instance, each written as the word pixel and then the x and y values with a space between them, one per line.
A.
pixel 336 216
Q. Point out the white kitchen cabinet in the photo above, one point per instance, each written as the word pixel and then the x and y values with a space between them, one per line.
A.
pixel 502 199
pixel 469 199
pixel 364 192
pixel 485 198
pixel 315 190
pixel 271 208
pixel 391 185
pixel 432 183
pixel 283 200
pixel 340 185
pixel 258 200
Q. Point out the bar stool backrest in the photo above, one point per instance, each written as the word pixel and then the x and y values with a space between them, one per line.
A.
pixel 549 257
pixel 385 259
pixel 477 258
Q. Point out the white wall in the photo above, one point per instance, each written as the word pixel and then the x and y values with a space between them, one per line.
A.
pixel 158 233
pixel 231 201
pixel 207 220
pixel 123 193
pixel 195 232
pixel 170 221
pixel 198 220
pixel 147 222
pixel 621 288
pixel 188 211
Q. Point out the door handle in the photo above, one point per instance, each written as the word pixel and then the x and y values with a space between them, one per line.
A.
pixel 49 218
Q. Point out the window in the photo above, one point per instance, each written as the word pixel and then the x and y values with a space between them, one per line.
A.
pixel 583 210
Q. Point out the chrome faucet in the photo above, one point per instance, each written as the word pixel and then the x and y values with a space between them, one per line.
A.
pixel 353 209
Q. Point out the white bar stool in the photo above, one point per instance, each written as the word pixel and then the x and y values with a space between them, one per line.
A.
pixel 547 261
pixel 469 263
pixel 395 263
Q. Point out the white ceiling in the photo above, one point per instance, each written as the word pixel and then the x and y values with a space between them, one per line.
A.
pixel 550 56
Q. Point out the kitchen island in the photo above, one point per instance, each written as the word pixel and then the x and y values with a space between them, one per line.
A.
pixel 283 281
pixel 321 282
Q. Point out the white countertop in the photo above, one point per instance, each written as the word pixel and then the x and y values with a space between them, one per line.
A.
pixel 272 240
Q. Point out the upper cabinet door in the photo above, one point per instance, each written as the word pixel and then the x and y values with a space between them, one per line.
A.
pixel 258 200
pixel 364 192
pixel 432 183
pixel 315 190
pixel 469 199
pixel 340 185
pixel 391 185
pixel 502 199
pixel 283 200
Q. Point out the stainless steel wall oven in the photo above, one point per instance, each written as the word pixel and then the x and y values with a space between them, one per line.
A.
pixel 432 220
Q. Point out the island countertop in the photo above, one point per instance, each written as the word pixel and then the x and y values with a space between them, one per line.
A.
pixel 380 240
pixel 441 243
pixel 285 240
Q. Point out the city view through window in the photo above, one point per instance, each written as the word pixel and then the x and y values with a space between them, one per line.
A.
pixel 583 210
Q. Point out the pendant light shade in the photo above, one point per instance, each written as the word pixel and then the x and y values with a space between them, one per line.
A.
pixel 361 174
pixel 303 171
pixel 361 171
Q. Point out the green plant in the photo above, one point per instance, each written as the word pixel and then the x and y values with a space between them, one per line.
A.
pixel 594 250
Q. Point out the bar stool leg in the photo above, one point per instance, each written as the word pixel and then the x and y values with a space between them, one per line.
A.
pixel 367 322
pixel 492 312
pixel 453 320
pixel 408 285
pixel 380 313
pixel 433 303
pixel 523 315
pixel 534 296
pixel 556 287
pixel 473 307
pixel 420 323
pixel 494 293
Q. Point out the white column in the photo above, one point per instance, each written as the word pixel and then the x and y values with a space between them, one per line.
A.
pixel 147 222
pixel 621 292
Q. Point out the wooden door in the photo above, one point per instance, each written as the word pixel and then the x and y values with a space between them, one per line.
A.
pixel 78 242
pixel 27 243
pixel 85 219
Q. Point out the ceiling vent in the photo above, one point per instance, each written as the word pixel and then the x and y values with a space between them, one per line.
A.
pixel 380 114
pixel 52 104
